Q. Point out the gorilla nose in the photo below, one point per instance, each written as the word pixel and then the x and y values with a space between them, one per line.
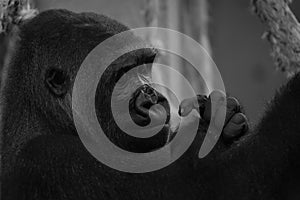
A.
pixel 143 99
pixel 148 97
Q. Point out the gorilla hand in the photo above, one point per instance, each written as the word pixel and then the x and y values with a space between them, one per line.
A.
pixel 236 123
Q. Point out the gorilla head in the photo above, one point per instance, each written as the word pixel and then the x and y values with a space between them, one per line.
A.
pixel 141 99
pixel 43 69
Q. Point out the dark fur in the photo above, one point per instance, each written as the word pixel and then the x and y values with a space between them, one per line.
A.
pixel 42 157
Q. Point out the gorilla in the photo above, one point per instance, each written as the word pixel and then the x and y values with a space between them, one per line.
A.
pixel 43 157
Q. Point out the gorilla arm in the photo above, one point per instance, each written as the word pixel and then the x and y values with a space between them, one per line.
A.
pixel 261 165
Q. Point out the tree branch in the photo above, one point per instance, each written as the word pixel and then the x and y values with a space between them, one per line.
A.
pixel 14 12
pixel 283 32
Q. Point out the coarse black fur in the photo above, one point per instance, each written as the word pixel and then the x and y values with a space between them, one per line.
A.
pixel 43 158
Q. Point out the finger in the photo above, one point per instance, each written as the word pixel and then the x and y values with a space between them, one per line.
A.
pixel 236 126
pixel 216 98
pixel 233 107
pixel 187 105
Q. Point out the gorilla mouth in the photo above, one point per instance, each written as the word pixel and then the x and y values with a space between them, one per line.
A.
pixel 142 100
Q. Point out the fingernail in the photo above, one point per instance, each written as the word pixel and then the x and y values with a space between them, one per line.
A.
pixel 181 111
pixel 238 119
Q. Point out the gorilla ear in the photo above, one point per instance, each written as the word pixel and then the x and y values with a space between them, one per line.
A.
pixel 57 81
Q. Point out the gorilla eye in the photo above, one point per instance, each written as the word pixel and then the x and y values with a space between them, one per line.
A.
pixel 58 77
pixel 56 81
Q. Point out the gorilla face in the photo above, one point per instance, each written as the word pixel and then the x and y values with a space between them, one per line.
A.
pixel 132 88
pixel 136 88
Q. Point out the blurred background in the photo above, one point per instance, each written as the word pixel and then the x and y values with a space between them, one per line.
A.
pixel 226 28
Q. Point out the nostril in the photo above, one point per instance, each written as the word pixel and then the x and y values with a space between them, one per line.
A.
pixel 150 94
pixel 151 98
